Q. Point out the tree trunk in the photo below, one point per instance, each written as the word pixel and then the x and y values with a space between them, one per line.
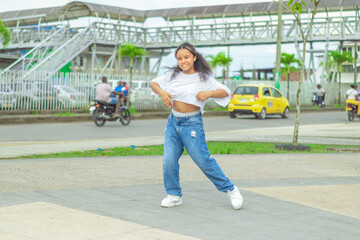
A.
pixel 355 63
pixel 298 95
pixel 288 85
pixel 277 74
pixel 130 84
pixel 223 75
pixel 339 88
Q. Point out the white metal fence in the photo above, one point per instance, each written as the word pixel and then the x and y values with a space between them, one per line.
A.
pixel 69 91
pixel 65 91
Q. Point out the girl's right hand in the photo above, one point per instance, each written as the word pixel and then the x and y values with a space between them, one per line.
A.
pixel 166 98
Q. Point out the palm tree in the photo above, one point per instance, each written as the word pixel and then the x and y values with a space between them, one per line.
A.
pixel 287 66
pixel 5 34
pixel 220 60
pixel 132 52
pixel 338 59
pixel 224 62
pixel 213 62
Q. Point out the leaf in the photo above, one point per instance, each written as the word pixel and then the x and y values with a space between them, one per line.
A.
pixel 300 8
pixel 290 2
pixel 131 51
pixel 303 3
pixel 5 34
pixel 294 7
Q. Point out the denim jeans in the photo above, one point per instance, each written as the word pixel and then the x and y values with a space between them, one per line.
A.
pixel 188 132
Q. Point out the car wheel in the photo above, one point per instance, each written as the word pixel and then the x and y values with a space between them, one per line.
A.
pixel 286 113
pixel 232 115
pixel 262 114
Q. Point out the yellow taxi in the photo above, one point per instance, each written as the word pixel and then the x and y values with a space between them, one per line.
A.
pixel 258 100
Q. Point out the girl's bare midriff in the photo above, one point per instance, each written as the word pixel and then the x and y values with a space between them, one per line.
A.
pixel 184 107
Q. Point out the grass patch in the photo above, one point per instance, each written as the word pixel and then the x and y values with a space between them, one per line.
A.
pixel 132 110
pixel 339 106
pixel 33 112
pixel 65 114
pixel 214 148
pixel 217 109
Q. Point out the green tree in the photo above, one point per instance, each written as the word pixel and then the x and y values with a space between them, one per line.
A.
pixel 132 52
pixel 295 8
pixel 287 65
pixel 338 58
pixel 220 60
pixel 212 61
pixel 5 34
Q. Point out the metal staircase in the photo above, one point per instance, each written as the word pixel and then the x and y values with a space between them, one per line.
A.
pixel 53 53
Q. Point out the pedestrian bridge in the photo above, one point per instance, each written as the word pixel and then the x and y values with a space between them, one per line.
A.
pixel 51 40
pixel 224 25
pixel 237 31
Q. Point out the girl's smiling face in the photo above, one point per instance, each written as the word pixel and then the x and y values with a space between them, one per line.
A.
pixel 185 60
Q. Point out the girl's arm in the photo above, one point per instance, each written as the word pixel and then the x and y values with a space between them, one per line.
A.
pixel 165 96
pixel 219 93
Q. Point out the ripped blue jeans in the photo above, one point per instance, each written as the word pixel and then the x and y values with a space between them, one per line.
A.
pixel 188 132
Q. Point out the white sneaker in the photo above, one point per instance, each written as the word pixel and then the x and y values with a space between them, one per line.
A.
pixel 171 201
pixel 236 198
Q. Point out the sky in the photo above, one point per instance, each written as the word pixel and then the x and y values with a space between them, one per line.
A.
pixel 246 57
pixel 134 4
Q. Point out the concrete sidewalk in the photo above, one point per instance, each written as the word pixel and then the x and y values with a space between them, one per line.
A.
pixel 286 196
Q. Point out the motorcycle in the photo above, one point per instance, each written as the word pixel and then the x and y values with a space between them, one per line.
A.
pixel 103 111
pixel 316 101
pixel 352 109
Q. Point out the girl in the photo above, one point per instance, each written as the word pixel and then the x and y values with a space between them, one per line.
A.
pixel 186 88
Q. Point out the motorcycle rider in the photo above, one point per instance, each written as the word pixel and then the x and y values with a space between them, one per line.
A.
pixel 320 93
pixel 357 90
pixel 352 93
pixel 103 93
pixel 124 90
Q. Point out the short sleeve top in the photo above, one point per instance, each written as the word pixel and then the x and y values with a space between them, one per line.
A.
pixel 320 92
pixel 103 91
pixel 351 94
pixel 185 87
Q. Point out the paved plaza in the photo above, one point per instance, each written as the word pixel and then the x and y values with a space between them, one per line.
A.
pixel 286 196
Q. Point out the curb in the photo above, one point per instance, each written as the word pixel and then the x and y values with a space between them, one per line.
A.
pixel 49 118
pixel 83 117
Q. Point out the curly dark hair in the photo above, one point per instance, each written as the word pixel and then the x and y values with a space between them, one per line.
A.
pixel 200 65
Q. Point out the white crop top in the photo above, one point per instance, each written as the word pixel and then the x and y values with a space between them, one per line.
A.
pixel 185 87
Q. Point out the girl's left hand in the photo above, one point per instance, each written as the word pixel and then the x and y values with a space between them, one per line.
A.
pixel 202 96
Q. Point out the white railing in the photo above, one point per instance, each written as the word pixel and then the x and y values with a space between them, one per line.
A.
pixel 38 53
pixel 64 91
pixel 243 32
pixel 77 90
